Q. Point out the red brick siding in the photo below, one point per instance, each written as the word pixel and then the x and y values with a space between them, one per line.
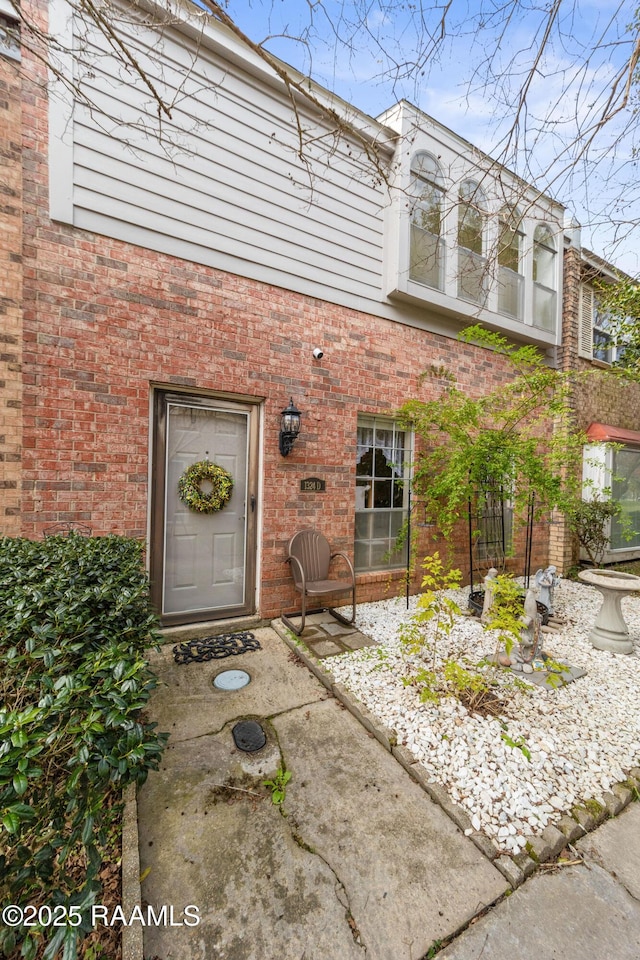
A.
pixel 599 397
pixel 10 296
pixel 104 321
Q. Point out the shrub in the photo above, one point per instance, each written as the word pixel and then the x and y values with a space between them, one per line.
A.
pixel 506 612
pixel 75 621
pixel 433 605
pixel 589 521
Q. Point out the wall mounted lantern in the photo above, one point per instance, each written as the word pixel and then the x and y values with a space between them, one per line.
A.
pixel 289 428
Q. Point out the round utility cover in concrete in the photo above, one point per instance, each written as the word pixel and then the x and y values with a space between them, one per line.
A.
pixel 231 680
pixel 249 736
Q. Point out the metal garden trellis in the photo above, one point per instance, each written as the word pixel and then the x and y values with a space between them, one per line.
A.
pixel 489 533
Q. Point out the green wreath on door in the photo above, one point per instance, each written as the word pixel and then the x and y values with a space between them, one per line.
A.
pixel 190 487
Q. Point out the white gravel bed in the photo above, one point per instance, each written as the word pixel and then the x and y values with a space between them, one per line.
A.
pixel 582 738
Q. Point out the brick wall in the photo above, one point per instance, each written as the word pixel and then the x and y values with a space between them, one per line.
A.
pixel 10 296
pixel 105 321
pixel 598 396
pixel 571 279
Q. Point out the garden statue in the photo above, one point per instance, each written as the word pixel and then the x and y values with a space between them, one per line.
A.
pixel 527 656
pixel 489 590
pixel 547 580
pixel 530 648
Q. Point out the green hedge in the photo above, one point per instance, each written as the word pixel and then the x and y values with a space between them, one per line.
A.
pixel 75 621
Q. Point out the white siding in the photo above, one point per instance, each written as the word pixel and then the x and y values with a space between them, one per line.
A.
pixel 219 182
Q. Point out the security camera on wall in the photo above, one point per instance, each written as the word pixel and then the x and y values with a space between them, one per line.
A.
pixel 318 354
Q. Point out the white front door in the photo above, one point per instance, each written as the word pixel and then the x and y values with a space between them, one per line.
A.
pixel 207 559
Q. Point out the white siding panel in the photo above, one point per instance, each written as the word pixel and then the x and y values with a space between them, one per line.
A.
pixel 264 273
pixel 232 133
pixel 199 194
pixel 271 254
pixel 223 185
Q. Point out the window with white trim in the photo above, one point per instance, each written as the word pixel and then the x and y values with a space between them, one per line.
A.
pixel 612 471
pixel 625 490
pixel 472 262
pixel 510 278
pixel 9 31
pixel 382 493
pixel 603 346
pixel 459 236
pixel 544 278
pixel 426 257
pixel 595 340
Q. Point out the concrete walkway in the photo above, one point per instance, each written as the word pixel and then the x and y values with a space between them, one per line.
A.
pixel 358 862
pixel 585 912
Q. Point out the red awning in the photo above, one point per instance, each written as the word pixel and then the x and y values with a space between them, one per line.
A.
pixel 603 432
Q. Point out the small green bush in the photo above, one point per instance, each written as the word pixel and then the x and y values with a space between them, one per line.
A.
pixel 589 521
pixel 75 621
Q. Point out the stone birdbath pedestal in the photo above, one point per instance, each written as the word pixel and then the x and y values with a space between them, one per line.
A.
pixel 610 631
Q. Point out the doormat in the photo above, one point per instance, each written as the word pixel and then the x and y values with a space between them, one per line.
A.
pixel 215 648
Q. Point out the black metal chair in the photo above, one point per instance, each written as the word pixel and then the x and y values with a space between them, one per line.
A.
pixel 310 557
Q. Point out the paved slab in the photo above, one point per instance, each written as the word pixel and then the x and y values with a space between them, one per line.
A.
pixel 327 637
pixel 410 876
pixel 190 706
pixel 616 847
pixel 577 913
pixel 358 862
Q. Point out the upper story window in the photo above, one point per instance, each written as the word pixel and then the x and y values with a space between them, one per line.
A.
pixel 510 278
pixel 595 340
pixel 472 265
pixel 9 31
pixel 544 278
pixel 459 240
pixel 426 244
pixel 603 346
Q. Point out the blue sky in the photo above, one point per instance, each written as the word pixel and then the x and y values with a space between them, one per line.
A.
pixel 470 82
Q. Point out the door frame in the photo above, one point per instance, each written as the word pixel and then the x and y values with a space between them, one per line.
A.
pixel 248 405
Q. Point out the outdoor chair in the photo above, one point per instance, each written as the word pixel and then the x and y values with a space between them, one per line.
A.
pixel 310 557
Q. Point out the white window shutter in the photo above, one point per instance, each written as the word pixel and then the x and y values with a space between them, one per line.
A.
pixel 585 322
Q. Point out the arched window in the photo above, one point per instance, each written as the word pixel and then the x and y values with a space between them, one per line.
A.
pixel 471 258
pixel 510 279
pixel 426 263
pixel 544 278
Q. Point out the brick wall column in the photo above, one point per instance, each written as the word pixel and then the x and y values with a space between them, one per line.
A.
pixel 570 309
pixel 563 552
pixel 10 295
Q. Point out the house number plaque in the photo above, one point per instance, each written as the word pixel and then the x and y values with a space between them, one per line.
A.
pixel 312 485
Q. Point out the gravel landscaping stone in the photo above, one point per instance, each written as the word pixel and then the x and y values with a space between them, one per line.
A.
pixel 574 743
